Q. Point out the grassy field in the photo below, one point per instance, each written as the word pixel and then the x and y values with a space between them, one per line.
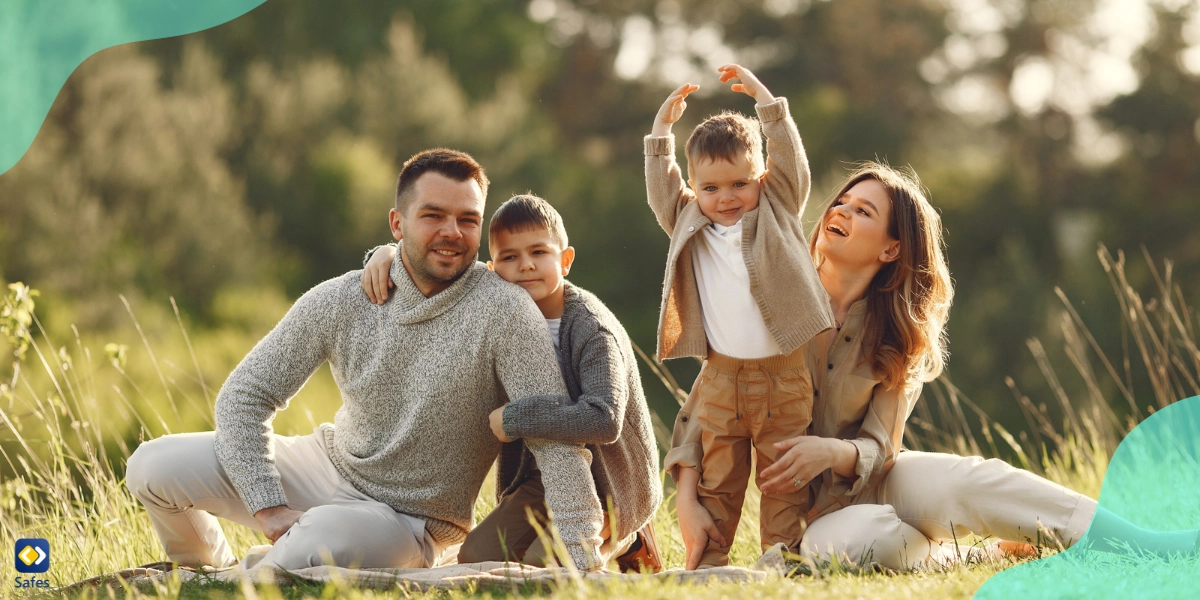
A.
pixel 68 406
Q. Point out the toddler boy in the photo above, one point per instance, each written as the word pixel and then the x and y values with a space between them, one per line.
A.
pixel 608 411
pixel 740 290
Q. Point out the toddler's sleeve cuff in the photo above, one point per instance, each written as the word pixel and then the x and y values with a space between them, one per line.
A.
pixel 658 145
pixel 773 111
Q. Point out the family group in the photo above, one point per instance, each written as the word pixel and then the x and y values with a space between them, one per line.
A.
pixel 815 349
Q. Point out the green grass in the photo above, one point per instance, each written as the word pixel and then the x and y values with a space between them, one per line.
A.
pixel 69 414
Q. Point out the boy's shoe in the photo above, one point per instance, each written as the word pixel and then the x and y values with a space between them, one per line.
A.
pixel 643 554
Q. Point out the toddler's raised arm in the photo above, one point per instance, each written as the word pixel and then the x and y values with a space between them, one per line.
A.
pixel 666 190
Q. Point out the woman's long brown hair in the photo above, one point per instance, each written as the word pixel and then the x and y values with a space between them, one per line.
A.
pixel 908 300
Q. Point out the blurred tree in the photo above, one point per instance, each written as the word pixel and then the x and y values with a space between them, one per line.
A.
pixel 264 152
pixel 126 190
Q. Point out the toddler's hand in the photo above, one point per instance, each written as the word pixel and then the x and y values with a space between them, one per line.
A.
pixel 750 85
pixel 376 276
pixel 672 109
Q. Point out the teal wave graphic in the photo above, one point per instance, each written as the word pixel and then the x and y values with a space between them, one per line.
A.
pixel 1153 482
pixel 43 41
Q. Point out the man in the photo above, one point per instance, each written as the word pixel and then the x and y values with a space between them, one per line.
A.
pixel 394 479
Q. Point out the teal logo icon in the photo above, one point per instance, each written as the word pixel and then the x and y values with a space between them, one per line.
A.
pixel 32 555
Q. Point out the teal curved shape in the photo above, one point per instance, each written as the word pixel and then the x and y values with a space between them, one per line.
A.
pixel 43 41
pixel 1153 481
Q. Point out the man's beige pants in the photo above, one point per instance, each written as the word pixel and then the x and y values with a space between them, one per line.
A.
pixel 929 500
pixel 183 487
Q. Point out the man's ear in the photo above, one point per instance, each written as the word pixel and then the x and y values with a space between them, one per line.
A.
pixel 491 266
pixel 891 253
pixel 396 221
pixel 568 258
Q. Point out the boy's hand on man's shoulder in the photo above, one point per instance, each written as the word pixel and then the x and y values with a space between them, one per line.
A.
pixel 750 85
pixel 672 109
pixel 376 275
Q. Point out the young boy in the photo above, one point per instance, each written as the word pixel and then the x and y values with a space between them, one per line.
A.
pixel 741 291
pixel 608 412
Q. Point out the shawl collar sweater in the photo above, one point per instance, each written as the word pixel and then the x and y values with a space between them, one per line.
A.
pixel 418 378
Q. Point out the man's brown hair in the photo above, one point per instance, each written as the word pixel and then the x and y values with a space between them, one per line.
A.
pixel 524 212
pixel 453 164
pixel 726 136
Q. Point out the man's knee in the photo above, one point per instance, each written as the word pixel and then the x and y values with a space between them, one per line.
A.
pixel 347 537
pixel 148 462
pixel 317 540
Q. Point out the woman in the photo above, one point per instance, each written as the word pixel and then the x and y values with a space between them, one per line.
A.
pixel 878 251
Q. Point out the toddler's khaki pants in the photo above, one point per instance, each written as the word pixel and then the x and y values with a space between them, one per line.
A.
pixel 743 407
pixel 183 487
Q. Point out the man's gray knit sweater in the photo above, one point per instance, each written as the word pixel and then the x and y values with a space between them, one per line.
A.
pixel 607 411
pixel 418 378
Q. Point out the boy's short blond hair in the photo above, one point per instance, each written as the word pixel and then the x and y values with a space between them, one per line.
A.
pixel 726 136
pixel 524 212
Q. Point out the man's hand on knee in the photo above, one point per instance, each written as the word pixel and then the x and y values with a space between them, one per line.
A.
pixel 276 521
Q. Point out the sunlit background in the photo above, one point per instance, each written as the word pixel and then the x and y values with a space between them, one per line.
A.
pixel 235 168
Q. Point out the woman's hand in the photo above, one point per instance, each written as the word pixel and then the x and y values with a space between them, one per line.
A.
pixel 377 275
pixel 695 523
pixel 804 458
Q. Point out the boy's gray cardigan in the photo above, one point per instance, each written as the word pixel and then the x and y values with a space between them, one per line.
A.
pixel 607 412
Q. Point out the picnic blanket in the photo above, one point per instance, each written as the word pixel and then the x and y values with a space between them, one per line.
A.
pixel 480 576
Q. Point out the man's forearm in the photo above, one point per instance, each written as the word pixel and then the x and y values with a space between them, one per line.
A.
pixel 261 384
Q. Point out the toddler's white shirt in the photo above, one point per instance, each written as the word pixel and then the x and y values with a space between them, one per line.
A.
pixel 732 321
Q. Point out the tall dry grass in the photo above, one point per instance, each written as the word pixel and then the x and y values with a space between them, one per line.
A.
pixel 66 413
